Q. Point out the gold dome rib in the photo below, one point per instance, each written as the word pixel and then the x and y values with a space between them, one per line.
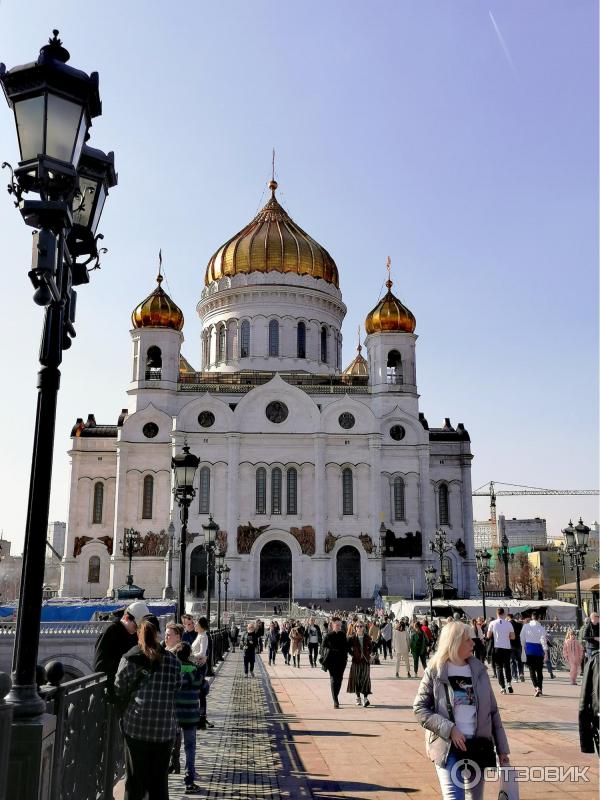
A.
pixel 390 315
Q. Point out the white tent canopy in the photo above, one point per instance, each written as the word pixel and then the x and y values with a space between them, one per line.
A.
pixel 548 609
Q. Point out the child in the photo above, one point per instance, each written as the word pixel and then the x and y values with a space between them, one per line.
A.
pixel 187 711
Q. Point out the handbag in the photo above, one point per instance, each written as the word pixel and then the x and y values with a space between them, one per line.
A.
pixel 509 788
pixel 480 749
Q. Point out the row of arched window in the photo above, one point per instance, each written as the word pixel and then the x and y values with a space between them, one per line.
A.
pixel 147 500
pixel 277 487
pixel 224 343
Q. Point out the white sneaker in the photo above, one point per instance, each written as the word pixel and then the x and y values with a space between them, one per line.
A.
pixel 358 701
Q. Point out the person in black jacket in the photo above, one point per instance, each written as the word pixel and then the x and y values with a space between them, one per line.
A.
pixel 117 639
pixel 249 645
pixel 313 638
pixel 589 706
pixel 334 656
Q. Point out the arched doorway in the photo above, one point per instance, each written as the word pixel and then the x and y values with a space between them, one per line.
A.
pixel 198 572
pixel 348 572
pixel 275 570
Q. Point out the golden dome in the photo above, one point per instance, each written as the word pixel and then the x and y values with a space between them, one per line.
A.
pixel 157 311
pixel 390 315
pixel 272 242
pixel 359 365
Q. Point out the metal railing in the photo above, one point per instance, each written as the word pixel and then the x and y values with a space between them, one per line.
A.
pixel 59 628
pixel 241 382
pixel 88 748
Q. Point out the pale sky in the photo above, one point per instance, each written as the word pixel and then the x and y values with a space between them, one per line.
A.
pixel 459 138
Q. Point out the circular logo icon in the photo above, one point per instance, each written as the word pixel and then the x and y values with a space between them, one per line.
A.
pixel 465 773
pixel 150 430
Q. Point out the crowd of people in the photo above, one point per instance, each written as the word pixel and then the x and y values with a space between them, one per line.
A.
pixel 159 687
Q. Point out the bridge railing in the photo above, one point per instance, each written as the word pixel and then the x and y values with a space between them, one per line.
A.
pixel 88 747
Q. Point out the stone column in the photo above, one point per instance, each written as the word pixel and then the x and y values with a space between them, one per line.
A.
pixel 427 512
pixel 120 510
pixel 319 491
pixel 233 461
pixel 375 504
pixel 470 583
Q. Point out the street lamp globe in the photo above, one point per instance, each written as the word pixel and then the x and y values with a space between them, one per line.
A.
pixel 53 105
pixel 184 466
pixel 569 535
pixel 97 175
pixel 582 534
pixel 210 532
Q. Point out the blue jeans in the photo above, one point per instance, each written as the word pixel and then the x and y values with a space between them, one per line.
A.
pixel 451 783
pixel 189 746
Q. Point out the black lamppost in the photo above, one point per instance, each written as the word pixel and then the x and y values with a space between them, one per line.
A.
pixel 184 466
pixel 506 557
pixel 210 537
pixel 382 533
pixel 430 573
pixel 130 545
pixel 226 571
pixel 220 560
pixel 482 558
pixel 53 106
pixel 290 593
pixel 440 546
pixel 576 546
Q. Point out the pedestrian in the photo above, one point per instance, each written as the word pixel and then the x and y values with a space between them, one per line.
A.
pixel 187 712
pixel 548 653
pixel 234 632
pixel 334 656
pixel 200 655
pixel 359 681
pixel 260 633
pixel 146 682
pixel 478 637
pixel 119 636
pixel 173 635
pixel 189 633
pixel 249 645
pixel 502 633
pixel 386 639
pixel 589 706
pixel 272 642
pixel 572 653
pixel 516 663
pixel 455 704
pixel 428 635
pixel 590 635
pixel 285 642
pixel 401 639
pixel 418 646
pixel 313 638
pixel 533 641
pixel 296 638
pixel 374 632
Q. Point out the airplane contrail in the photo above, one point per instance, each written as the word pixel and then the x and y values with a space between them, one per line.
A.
pixel 505 49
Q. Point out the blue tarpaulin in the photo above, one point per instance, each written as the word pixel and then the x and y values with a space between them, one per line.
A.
pixel 83 612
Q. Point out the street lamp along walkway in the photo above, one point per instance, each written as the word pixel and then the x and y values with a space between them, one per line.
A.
pixel 184 466
pixel 575 548
pixel 53 105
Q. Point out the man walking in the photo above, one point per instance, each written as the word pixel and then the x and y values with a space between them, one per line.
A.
pixel 386 639
pixel 502 631
pixel 590 635
pixel 116 640
pixel 334 654
pixel 533 640
pixel 516 663
pixel 313 638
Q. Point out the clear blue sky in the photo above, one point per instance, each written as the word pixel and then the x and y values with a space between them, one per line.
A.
pixel 460 138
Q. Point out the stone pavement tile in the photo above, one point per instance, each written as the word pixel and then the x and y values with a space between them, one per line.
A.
pixel 379 752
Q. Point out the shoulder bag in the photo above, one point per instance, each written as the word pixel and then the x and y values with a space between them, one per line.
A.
pixel 479 749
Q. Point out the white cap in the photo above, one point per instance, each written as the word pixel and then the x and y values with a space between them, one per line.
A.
pixel 138 609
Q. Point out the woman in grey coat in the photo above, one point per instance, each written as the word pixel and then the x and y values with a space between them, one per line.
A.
pixel 455 703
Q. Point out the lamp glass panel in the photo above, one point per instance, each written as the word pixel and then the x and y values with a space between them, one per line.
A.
pixel 83 127
pixel 569 537
pixel 87 187
pixel 63 128
pixel 29 115
pixel 100 198
pixel 582 533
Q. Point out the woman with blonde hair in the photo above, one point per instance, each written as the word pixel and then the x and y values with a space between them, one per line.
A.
pixel 455 703
pixel 573 654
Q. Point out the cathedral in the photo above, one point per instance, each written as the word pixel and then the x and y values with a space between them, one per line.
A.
pixel 325 481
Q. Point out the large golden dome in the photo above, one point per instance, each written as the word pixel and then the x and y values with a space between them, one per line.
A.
pixel 272 242
pixel 157 311
pixel 390 315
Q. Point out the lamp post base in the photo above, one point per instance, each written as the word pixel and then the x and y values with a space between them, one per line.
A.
pixel 130 592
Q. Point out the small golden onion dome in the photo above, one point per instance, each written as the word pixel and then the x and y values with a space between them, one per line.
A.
pixel 157 311
pixel 272 242
pixel 390 315
pixel 359 365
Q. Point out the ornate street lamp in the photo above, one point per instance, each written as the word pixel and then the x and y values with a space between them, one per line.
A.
pixel 482 558
pixel 440 546
pixel 184 466
pixel 226 571
pixel 210 537
pixel 506 557
pixel 220 561
pixel 576 546
pixel 53 106
pixel 131 543
pixel 430 573
pixel 382 533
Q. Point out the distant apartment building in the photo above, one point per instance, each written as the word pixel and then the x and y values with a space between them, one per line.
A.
pixel 519 531
pixel 57 532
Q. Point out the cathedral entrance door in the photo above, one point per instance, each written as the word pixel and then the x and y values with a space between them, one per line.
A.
pixel 348 572
pixel 275 569
pixel 198 572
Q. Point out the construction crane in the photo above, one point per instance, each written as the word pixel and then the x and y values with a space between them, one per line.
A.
pixel 517 489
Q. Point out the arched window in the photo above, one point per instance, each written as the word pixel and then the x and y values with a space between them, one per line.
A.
pixel 221 343
pixel 147 497
pixel 443 504
pixel 245 339
pixel 153 363
pixel 394 367
pixel 204 490
pixel 447 567
pixel 98 503
pixel 261 490
pixel 347 492
pixel 276 491
pixel 398 498
pixel 324 344
pixel 94 569
pixel 273 338
pixel 292 490
pixel 301 340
